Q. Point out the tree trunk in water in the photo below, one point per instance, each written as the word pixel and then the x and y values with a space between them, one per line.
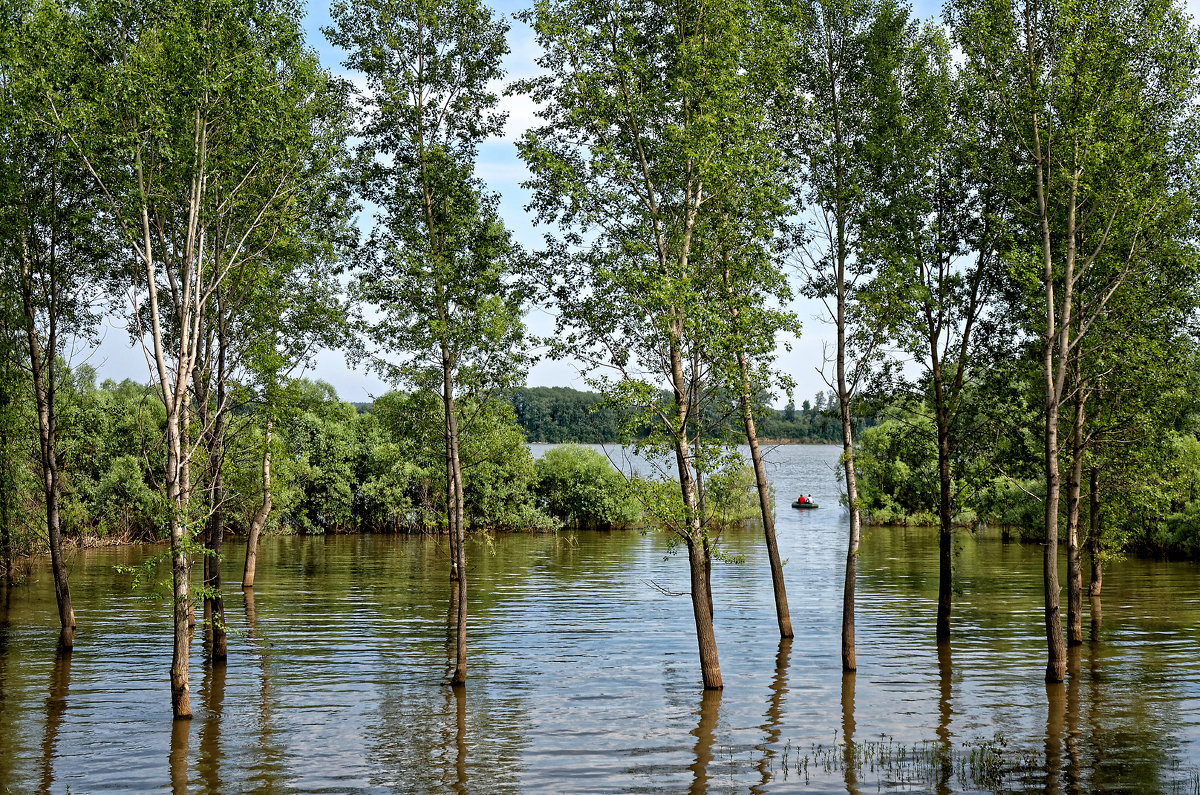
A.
pixel 1057 333
pixel 455 510
pixel 1056 665
pixel 6 496
pixel 183 617
pixel 215 603
pixel 699 561
pixel 180 700
pixel 706 639
pixel 43 373
pixel 782 614
pixel 185 490
pixel 460 667
pixel 259 520
pixel 1074 488
pixel 945 532
pixel 1097 581
pixel 849 663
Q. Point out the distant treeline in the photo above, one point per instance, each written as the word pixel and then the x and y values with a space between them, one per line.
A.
pixel 560 414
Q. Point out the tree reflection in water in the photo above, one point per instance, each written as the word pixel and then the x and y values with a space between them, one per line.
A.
pixel 56 706
pixel 772 727
pixel 212 697
pixel 945 685
pixel 178 758
pixel 705 734
pixel 848 733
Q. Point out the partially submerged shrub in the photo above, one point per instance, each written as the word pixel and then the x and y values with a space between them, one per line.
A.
pixel 579 486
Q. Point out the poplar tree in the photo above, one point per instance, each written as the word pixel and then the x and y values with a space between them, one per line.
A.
pixel 937 231
pixel 438 264
pixel 846 58
pixel 1094 100
pixel 51 246
pixel 658 165
pixel 189 134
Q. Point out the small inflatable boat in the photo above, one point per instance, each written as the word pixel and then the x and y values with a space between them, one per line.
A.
pixel 804 505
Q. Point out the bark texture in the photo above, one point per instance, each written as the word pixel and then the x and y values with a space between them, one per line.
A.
pixel 259 519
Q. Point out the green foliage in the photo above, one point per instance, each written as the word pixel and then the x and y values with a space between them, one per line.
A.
pixel 729 499
pixel 499 476
pixel 579 486
pixel 561 414
pixel 897 468
pixel 322 443
pixel 123 504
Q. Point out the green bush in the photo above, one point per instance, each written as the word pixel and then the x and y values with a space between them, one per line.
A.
pixel 579 486
pixel 124 504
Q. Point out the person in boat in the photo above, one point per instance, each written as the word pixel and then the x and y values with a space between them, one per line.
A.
pixel 801 499
pixel 808 499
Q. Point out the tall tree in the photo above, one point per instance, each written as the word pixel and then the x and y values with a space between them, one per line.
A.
pixel 650 137
pixel 278 281
pixel 439 263
pixel 847 57
pixel 185 100
pixel 51 247
pixel 1093 97
pixel 936 231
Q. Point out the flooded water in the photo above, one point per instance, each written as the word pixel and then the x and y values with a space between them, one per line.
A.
pixel 583 672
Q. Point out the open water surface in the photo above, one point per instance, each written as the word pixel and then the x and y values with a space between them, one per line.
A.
pixel 584 673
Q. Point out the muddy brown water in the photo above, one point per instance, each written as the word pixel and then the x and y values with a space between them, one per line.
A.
pixel 584 677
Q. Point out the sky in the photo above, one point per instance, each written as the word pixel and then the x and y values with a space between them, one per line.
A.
pixel 503 172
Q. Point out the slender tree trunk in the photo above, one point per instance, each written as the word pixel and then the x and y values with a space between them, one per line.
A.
pixel 455 513
pixel 259 519
pixel 1054 373
pixel 6 491
pixel 849 663
pixel 1074 489
pixel 840 245
pixel 180 698
pixel 8 399
pixel 1097 581
pixel 782 614
pixel 44 385
pixel 945 531
pixel 706 639
pixel 699 560
pixel 1056 666
pixel 215 603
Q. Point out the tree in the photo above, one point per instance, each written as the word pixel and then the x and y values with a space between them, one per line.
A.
pixel 52 247
pixel 184 101
pixel 846 92
pixel 937 230
pixel 277 290
pixel 1093 99
pixel 650 136
pixel 438 262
